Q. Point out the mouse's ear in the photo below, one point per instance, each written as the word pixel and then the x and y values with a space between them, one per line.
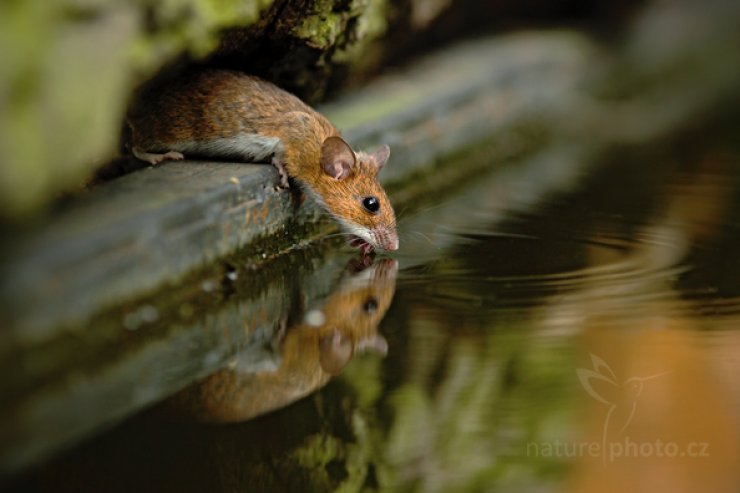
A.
pixel 381 155
pixel 335 351
pixel 337 158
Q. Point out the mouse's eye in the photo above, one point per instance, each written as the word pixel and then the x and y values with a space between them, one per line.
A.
pixel 371 204
pixel 370 305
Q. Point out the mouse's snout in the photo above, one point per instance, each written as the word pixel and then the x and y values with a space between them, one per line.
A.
pixel 379 237
pixel 392 244
pixel 387 239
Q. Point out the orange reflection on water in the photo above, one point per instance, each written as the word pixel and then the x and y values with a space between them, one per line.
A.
pixel 668 421
pixel 660 402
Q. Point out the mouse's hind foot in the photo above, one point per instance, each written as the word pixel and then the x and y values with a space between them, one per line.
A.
pixel 155 158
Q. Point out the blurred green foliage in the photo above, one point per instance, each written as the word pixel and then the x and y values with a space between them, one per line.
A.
pixel 66 72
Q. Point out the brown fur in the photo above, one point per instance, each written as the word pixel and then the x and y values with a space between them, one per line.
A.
pixel 219 104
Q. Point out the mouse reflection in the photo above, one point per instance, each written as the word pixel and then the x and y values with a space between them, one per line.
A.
pixel 302 358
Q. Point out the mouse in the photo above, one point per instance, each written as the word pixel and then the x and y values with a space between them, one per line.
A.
pixel 225 114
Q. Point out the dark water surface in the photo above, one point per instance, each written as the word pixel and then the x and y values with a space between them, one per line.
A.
pixel 580 341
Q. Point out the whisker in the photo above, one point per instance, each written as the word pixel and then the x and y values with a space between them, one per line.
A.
pixel 424 210
pixel 420 234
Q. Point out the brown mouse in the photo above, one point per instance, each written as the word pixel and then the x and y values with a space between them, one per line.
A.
pixel 227 114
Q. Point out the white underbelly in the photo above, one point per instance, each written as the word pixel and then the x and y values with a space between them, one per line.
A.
pixel 250 147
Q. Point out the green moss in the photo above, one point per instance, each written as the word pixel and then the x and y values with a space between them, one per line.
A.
pixel 326 28
pixel 318 451
pixel 191 25
pixel 371 24
pixel 321 28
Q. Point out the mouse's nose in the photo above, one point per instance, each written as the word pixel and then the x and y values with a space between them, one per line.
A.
pixel 390 242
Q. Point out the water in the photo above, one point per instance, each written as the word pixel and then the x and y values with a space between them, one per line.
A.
pixel 585 340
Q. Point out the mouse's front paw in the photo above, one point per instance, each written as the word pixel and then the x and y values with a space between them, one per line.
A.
pixel 282 172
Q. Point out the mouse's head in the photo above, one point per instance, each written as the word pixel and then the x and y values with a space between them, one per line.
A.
pixel 351 192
